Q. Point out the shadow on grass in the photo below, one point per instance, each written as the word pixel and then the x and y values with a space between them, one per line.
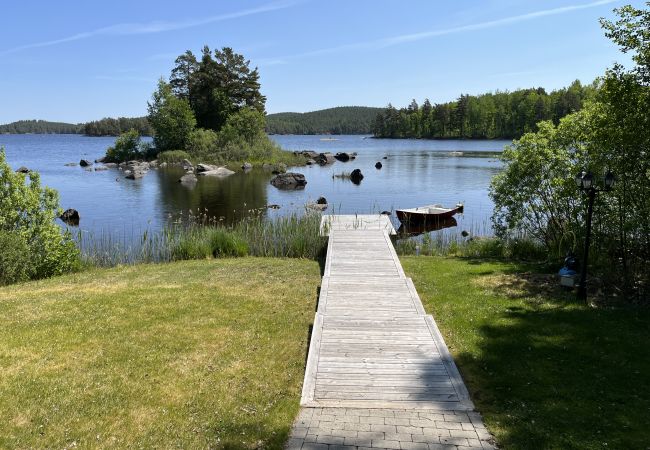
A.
pixel 549 372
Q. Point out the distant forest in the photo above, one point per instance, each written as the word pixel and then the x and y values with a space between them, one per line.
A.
pixel 103 127
pixel 40 127
pixel 505 115
pixel 340 120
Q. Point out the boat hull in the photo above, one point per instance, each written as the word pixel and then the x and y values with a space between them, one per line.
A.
pixel 425 218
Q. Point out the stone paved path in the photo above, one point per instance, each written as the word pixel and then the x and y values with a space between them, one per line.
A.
pixel 378 374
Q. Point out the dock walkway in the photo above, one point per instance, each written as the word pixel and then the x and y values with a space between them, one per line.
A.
pixel 378 374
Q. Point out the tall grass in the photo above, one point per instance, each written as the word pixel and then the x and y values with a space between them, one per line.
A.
pixel 294 236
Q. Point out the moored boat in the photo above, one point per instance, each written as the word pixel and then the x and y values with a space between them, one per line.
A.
pixel 429 214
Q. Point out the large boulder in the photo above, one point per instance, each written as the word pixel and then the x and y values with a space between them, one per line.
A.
pixel 188 178
pixel 217 172
pixel 85 163
pixel 342 156
pixel 356 176
pixel 325 158
pixel 201 167
pixel 186 165
pixel 289 180
pixel 70 216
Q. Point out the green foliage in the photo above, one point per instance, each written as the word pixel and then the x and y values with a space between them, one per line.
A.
pixel 227 243
pixel 536 193
pixel 40 127
pixel 114 127
pixel 217 86
pixel 203 144
pixel 173 156
pixel 340 120
pixel 127 148
pixel 192 244
pixel 171 118
pixel 488 116
pixel 15 258
pixel 27 218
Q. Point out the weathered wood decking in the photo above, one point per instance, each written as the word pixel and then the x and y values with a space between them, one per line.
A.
pixel 372 345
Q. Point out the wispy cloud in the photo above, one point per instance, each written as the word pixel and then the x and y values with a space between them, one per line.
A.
pixel 126 29
pixel 414 37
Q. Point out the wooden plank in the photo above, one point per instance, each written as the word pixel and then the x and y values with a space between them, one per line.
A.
pixel 309 385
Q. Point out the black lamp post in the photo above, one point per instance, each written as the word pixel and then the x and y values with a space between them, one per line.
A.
pixel 586 182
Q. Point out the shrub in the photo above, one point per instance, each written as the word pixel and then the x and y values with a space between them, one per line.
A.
pixel 128 147
pixel 173 156
pixel 27 214
pixel 226 244
pixel 203 144
pixel 15 258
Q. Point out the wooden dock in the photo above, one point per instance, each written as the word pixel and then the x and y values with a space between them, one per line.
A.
pixel 373 345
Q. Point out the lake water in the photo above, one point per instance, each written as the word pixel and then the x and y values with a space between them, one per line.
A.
pixel 415 173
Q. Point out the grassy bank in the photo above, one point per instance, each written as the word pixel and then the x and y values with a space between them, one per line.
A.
pixel 545 370
pixel 189 354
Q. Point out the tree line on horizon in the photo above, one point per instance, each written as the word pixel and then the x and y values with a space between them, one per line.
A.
pixel 107 126
pixel 339 120
pixel 498 115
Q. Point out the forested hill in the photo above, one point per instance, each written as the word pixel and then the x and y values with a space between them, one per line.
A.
pixel 104 127
pixel 340 120
pixel 505 115
pixel 40 127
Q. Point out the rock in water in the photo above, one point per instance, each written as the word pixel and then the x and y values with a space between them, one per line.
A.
pixel 188 178
pixel 325 158
pixel 321 201
pixel 289 180
pixel 343 157
pixel 316 206
pixel 85 163
pixel 136 174
pixel 22 169
pixel 205 167
pixel 70 216
pixel 218 172
pixel 247 166
pixel 101 160
pixel 356 176
pixel 378 165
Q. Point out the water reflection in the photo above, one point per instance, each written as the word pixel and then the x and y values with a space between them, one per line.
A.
pixel 229 199
pixel 410 230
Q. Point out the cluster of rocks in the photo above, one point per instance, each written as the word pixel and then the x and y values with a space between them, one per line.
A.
pixel 201 170
pixel 134 170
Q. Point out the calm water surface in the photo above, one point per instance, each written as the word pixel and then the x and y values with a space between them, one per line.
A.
pixel 416 173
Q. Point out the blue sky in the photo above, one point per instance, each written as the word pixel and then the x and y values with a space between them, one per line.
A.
pixel 78 60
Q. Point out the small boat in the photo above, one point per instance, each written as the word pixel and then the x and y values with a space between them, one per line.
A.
pixel 427 214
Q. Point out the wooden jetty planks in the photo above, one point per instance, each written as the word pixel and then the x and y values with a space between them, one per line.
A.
pixel 372 343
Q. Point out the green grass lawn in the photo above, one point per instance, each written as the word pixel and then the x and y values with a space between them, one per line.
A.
pixel 192 354
pixel 545 370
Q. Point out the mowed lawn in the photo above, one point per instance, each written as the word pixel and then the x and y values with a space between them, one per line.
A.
pixel 545 370
pixel 190 354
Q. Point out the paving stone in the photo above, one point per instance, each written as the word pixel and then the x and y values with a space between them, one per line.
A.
pixel 386 444
pixel 373 420
pixel 463 433
pixel 384 428
pixel 294 444
pixel 402 437
pixel 397 421
pixel 414 445
pixel 330 440
pixel 314 446
pixel 449 425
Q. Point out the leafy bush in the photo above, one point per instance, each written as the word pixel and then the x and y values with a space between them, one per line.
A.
pixel 173 156
pixel 15 258
pixel 203 144
pixel 226 244
pixel 27 221
pixel 128 147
